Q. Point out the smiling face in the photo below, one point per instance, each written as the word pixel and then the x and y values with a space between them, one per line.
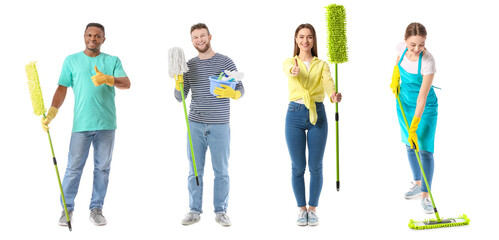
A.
pixel 415 44
pixel 94 38
pixel 201 39
pixel 305 40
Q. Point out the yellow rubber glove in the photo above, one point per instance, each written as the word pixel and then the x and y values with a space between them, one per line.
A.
pixel 178 80
pixel 100 78
pixel 46 120
pixel 227 92
pixel 395 85
pixel 413 137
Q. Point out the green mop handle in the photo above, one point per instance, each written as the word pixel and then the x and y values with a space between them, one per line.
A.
pixel 189 132
pixel 337 116
pixel 419 161
pixel 59 179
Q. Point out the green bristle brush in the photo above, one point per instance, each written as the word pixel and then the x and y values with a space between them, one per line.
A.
pixel 39 109
pixel 337 53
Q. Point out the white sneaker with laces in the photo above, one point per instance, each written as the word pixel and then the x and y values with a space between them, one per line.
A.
pixel 302 218
pixel 223 219
pixel 414 192
pixel 427 206
pixel 191 218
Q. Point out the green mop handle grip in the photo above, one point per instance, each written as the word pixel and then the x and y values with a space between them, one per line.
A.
pixel 59 179
pixel 419 161
pixel 189 132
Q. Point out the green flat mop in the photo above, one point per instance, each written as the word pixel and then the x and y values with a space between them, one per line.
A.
pixel 438 222
pixel 39 108
pixel 176 68
pixel 337 51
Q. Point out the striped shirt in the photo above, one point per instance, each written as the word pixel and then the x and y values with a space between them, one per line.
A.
pixel 206 108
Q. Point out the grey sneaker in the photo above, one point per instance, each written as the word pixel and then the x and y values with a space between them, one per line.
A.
pixel 223 219
pixel 302 218
pixel 414 192
pixel 97 218
pixel 190 218
pixel 63 221
pixel 427 206
pixel 313 220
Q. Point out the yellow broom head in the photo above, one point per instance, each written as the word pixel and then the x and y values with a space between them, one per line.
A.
pixel 34 89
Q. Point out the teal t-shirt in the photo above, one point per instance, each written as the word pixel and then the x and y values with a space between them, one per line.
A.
pixel 94 107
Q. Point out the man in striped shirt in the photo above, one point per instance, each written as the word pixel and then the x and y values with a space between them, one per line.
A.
pixel 209 117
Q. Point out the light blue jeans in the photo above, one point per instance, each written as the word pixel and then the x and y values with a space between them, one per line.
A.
pixel 428 165
pixel 217 138
pixel 103 142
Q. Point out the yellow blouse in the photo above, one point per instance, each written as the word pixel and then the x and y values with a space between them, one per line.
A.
pixel 309 85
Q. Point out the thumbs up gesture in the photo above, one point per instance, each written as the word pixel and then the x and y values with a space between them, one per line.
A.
pixel 100 78
pixel 295 70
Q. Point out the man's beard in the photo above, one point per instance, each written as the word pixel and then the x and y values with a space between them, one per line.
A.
pixel 205 49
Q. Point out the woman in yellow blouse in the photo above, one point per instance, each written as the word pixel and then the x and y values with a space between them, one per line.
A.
pixel 309 81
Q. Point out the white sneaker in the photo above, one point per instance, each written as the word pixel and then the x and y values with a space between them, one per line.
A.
pixel 313 220
pixel 414 192
pixel 427 206
pixel 302 218
pixel 223 219
pixel 191 218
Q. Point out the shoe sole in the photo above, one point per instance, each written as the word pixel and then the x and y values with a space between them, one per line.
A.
pixel 225 225
pixel 301 224
pixel 313 224
pixel 413 196
pixel 428 212
pixel 189 223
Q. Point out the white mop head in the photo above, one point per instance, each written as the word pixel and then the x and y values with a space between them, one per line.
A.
pixel 176 62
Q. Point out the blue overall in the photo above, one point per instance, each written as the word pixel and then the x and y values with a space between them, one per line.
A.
pixel 409 91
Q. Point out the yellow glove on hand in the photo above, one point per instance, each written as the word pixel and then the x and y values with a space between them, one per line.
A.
pixel 227 92
pixel 178 80
pixel 413 137
pixel 100 78
pixel 46 120
pixel 395 85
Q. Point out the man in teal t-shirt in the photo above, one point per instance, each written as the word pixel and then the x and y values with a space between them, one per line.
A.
pixel 93 76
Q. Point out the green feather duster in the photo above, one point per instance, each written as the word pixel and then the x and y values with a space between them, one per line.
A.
pixel 337 33
pixel 34 89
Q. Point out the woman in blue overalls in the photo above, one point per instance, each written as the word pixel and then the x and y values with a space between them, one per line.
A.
pixel 417 69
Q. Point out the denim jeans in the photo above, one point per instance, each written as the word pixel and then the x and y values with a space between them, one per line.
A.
pixel 217 138
pixel 103 142
pixel 299 133
pixel 427 161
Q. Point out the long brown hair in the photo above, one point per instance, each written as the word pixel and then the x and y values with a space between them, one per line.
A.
pixel 314 48
pixel 415 29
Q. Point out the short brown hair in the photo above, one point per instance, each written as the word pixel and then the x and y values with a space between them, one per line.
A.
pixel 314 48
pixel 415 29
pixel 200 26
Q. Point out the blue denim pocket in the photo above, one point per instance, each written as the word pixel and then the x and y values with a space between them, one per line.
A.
pixel 293 107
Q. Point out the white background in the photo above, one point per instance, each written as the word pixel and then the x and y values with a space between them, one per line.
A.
pixel 147 194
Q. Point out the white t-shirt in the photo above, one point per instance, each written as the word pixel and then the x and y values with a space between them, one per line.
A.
pixel 307 64
pixel 427 63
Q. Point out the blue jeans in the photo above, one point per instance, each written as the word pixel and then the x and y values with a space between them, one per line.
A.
pixel 217 138
pixel 299 132
pixel 427 161
pixel 103 142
